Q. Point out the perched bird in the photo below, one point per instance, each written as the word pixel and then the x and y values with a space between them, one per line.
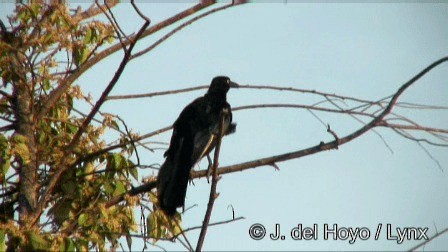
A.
pixel 194 135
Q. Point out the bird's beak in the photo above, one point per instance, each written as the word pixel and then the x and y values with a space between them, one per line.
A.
pixel 233 84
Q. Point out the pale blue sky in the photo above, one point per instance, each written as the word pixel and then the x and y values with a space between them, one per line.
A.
pixel 362 50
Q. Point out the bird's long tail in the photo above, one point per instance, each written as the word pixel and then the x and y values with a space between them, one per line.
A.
pixel 172 185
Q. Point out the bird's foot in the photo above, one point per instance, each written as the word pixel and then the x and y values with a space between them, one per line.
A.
pixel 190 180
pixel 209 169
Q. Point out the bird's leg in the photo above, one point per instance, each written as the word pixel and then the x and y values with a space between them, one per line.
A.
pixel 209 168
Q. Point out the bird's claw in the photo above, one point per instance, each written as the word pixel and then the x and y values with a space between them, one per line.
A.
pixel 190 180
pixel 209 169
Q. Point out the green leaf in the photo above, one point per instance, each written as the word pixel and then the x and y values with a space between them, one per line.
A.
pixel 134 172
pixel 114 125
pixel 79 55
pixel 154 230
pixel 88 37
pixel 117 158
pixel 176 221
pixel 82 244
pixel 104 212
pixel 119 189
pixel 176 230
pixel 121 162
pixel 48 39
pixel 17 138
pixel 89 169
pixel 82 219
pixel 35 8
pixel 152 197
pixel 69 187
pixel 46 84
pixel 4 156
pixel 84 54
pixel 72 129
pixel 38 242
pixel 2 240
pixel 108 187
pixel 94 36
pixel 115 161
pixel 109 39
pixel 24 16
pixel 69 103
pixel 23 152
pixel 69 245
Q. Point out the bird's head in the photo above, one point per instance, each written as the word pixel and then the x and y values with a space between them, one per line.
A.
pixel 221 84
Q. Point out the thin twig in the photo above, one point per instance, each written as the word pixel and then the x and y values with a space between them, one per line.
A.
pixel 420 106
pixel 139 12
pixel 308 107
pixel 190 248
pixel 116 23
pixel 177 29
pixel 113 22
pixel 213 224
pixel 7 127
pixel 412 127
pixel 92 11
pixel 288 89
pixel 9 96
pixel 121 97
pixel 213 194
pixel 437 134
pixel 359 120
pixel 429 240
pixel 418 141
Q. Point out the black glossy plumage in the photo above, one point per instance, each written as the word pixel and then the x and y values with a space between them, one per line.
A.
pixel 194 136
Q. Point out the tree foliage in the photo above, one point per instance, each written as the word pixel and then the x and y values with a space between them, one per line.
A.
pixel 45 46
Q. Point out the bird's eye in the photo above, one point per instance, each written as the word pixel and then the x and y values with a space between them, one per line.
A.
pixel 228 81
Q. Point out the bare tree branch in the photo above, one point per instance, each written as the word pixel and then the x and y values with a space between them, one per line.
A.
pixel 92 10
pixel 180 27
pixel 303 107
pixel 9 96
pixel 213 194
pixel 114 23
pixel 412 127
pixel 120 97
pixel 429 240
pixel 7 127
pixel 139 12
pixel 265 87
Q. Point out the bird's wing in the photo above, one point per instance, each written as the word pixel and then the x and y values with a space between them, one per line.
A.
pixel 204 142
pixel 183 127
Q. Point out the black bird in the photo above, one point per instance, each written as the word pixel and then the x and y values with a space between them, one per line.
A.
pixel 194 136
